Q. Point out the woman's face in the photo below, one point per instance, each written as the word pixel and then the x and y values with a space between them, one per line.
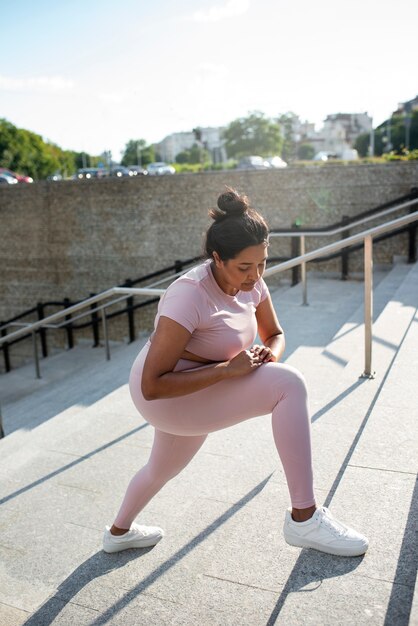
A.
pixel 243 271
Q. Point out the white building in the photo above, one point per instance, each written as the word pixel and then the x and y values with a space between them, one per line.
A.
pixel 211 140
pixel 341 130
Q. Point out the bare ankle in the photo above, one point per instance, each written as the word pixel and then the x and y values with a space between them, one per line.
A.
pixel 118 531
pixel 302 515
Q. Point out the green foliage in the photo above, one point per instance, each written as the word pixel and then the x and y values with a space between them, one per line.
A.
pixel 362 144
pixel 253 135
pixel 391 137
pixel 306 152
pixel 137 152
pixel 182 157
pixel 193 168
pixel 413 155
pixel 195 154
pixel 27 153
pixel 289 146
pixel 185 168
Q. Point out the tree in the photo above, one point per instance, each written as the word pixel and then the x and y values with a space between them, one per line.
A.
pixel 403 131
pixel 193 155
pixel 391 136
pixel 27 153
pixel 289 145
pixel 198 154
pixel 253 135
pixel 137 152
pixel 306 152
pixel 183 157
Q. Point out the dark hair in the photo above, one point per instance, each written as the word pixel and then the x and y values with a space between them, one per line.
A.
pixel 236 226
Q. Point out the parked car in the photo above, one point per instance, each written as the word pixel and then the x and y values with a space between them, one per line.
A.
pixel 20 178
pixel 160 168
pixel 276 162
pixel 5 179
pixel 120 171
pixel 137 170
pixel 253 163
pixel 325 156
pixel 90 172
pixel 55 177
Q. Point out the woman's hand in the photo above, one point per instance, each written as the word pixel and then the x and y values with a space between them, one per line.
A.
pixel 244 363
pixel 264 353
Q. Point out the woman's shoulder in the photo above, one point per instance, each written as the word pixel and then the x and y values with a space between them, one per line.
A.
pixel 197 274
pixel 190 282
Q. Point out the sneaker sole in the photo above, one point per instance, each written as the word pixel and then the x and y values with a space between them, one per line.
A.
pixel 146 543
pixel 358 551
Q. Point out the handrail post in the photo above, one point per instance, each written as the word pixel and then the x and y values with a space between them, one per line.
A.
pixel 368 306
pixel 303 272
pixel 42 331
pixel 69 327
pixel 105 334
pixel 130 308
pixel 35 354
pixel 1 425
pixel 295 251
pixel 95 324
pixel 345 253
pixel 5 348
pixel 412 240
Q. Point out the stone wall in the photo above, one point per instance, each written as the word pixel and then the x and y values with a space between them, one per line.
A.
pixel 73 238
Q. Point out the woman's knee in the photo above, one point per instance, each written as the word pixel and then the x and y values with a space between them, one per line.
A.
pixel 292 381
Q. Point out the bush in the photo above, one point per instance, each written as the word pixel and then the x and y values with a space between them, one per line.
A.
pixel 413 155
pixel 184 168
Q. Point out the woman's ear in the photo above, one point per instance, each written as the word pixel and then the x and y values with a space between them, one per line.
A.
pixel 217 259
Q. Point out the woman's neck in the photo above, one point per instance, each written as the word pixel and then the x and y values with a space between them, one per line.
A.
pixel 222 284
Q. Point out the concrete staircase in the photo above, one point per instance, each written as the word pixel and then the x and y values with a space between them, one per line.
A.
pixel 74 440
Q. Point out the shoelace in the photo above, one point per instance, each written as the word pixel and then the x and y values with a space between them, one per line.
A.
pixel 337 529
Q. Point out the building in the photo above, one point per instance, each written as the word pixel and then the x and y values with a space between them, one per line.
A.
pixel 210 138
pixel 341 130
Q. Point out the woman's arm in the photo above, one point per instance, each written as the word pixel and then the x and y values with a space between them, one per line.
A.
pixel 270 331
pixel 168 344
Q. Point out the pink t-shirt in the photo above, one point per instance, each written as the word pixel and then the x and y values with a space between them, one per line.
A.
pixel 221 325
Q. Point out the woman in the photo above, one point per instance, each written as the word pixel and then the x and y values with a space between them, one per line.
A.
pixel 200 372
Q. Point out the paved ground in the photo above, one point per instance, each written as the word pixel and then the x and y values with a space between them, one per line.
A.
pixel 74 440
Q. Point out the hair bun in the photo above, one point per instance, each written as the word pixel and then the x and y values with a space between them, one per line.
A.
pixel 232 203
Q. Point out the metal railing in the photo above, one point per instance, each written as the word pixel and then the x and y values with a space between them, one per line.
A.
pixel 40 311
pixel 367 237
pixel 55 320
pixel 302 234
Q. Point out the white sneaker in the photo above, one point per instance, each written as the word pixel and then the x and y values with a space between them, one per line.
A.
pixel 323 532
pixel 136 537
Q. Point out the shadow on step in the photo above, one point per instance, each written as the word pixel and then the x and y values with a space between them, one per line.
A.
pixel 101 564
pixel 64 468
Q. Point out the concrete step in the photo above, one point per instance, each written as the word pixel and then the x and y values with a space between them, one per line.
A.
pixel 65 378
pixel 353 330
pixel 331 354
pixel 69 471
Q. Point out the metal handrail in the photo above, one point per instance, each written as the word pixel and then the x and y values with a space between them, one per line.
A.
pixel 341 229
pixel 366 236
pixel 343 243
pixel 33 326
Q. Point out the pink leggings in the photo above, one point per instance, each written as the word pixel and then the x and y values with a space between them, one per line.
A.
pixel 183 423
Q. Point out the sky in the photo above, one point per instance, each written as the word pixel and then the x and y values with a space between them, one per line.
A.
pixel 93 74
